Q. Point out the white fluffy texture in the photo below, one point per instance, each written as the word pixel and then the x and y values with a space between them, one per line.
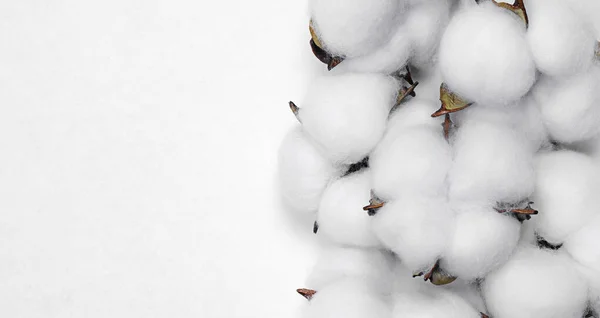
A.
pixel 355 27
pixel 341 217
pixel 415 112
pixel 561 42
pixel 483 239
pixel 484 55
pixel 346 114
pixel 592 277
pixel 414 160
pixel 584 246
pixel 349 298
pixel 438 303
pixel 536 283
pixel 338 263
pixel 589 10
pixel 492 162
pixel 426 21
pixel 387 59
pixel 416 228
pixel 566 194
pixel 523 117
pixel 469 292
pixel 303 172
pixel 570 108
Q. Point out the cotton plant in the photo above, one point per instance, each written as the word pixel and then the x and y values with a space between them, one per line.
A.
pixel 443 158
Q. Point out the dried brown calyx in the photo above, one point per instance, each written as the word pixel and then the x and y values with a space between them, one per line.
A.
pixel 484 315
pixel 407 86
pixel 315 227
pixel 597 51
pixel 320 53
pixel 375 204
pixel 437 275
pixel 451 102
pixel 520 212
pixel 518 8
pixel 306 293
pixel 296 110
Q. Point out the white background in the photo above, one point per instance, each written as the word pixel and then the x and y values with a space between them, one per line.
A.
pixel 138 148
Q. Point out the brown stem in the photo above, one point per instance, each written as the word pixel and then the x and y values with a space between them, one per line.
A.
pixel 373 206
pixel 296 110
pixel 447 126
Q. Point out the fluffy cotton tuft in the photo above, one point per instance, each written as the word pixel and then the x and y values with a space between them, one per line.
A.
pixel 341 218
pixel 387 59
pixel 349 298
pixel 484 56
pixel 413 160
pixel 584 246
pixel 426 21
pixel 570 108
pixel 355 27
pixel 413 113
pixel 416 228
pixel 566 194
pixel 492 162
pixel 434 304
pixel 337 263
pixel 346 114
pixel 303 172
pixel 561 42
pixel 483 239
pixel 536 283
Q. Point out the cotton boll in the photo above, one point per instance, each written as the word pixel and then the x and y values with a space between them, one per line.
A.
pixel 416 160
pixel 436 304
pixel 416 228
pixel 492 162
pixel 566 194
pixel 341 218
pixel 303 172
pixel 570 108
pixel 357 27
pixel 387 59
pixel 561 42
pixel 592 277
pixel 426 21
pixel 536 283
pixel 349 298
pixel 346 114
pixel 484 56
pixel 583 245
pixel 483 240
pixel 336 263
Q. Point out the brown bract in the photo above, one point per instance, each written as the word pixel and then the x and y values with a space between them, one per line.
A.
pixel 438 276
pixel 306 293
pixel 375 204
pixel 317 48
pixel 451 102
pixel 295 109
pixel 518 8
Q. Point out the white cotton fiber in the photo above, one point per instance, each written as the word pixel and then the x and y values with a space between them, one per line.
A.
pixel 484 56
pixel 415 112
pixel 536 283
pixel 566 194
pixel 523 117
pixel 469 291
pixel 416 228
pixel 438 303
pixel 336 263
pixel 414 160
pixel 561 41
pixel 303 172
pixel 483 240
pixel 426 21
pixel 584 245
pixel 346 114
pixel 387 59
pixel 492 162
pixel 341 218
pixel 355 27
pixel 570 108
pixel 348 298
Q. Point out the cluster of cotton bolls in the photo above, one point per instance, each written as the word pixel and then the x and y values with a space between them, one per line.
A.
pixel 484 207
